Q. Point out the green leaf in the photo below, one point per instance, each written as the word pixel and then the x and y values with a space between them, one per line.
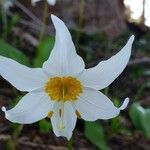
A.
pixel 115 126
pixel 8 51
pixel 45 126
pixel 115 123
pixel 146 123
pixel 137 115
pixel 14 102
pixel 95 134
pixel 141 118
pixel 43 51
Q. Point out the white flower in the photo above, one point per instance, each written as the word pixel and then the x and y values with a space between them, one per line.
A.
pixel 50 2
pixel 6 4
pixel 63 89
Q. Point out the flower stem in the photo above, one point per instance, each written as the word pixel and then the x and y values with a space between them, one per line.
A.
pixel 69 145
pixel 81 17
pixel 45 14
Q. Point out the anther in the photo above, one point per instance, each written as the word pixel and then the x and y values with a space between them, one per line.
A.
pixel 78 114
pixel 50 114
pixel 63 88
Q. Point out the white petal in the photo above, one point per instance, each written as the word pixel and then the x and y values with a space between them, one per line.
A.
pixel 33 107
pixel 94 105
pixel 20 76
pixel 63 59
pixel 34 1
pixel 51 2
pixel 125 104
pixel 7 4
pixel 107 71
pixel 69 120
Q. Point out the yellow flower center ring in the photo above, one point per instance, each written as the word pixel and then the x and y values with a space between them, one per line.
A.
pixel 63 88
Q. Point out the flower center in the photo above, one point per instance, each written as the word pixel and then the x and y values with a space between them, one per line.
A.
pixel 63 88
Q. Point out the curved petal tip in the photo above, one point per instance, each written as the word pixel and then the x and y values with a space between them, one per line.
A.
pixel 56 19
pixel 4 110
pixel 132 38
pixel 125 104
pixel 51 2
pixel 53 16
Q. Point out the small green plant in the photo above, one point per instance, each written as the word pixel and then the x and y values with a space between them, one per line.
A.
pixel 116 124
pixel 9 51
pixel 95 134
pixel 141 118
pixel 45 126
pixel 43 51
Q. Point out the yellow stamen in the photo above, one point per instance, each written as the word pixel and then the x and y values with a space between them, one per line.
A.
pixel 78 114
pixel 50 114
pixel 63 88
pixel 60 126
